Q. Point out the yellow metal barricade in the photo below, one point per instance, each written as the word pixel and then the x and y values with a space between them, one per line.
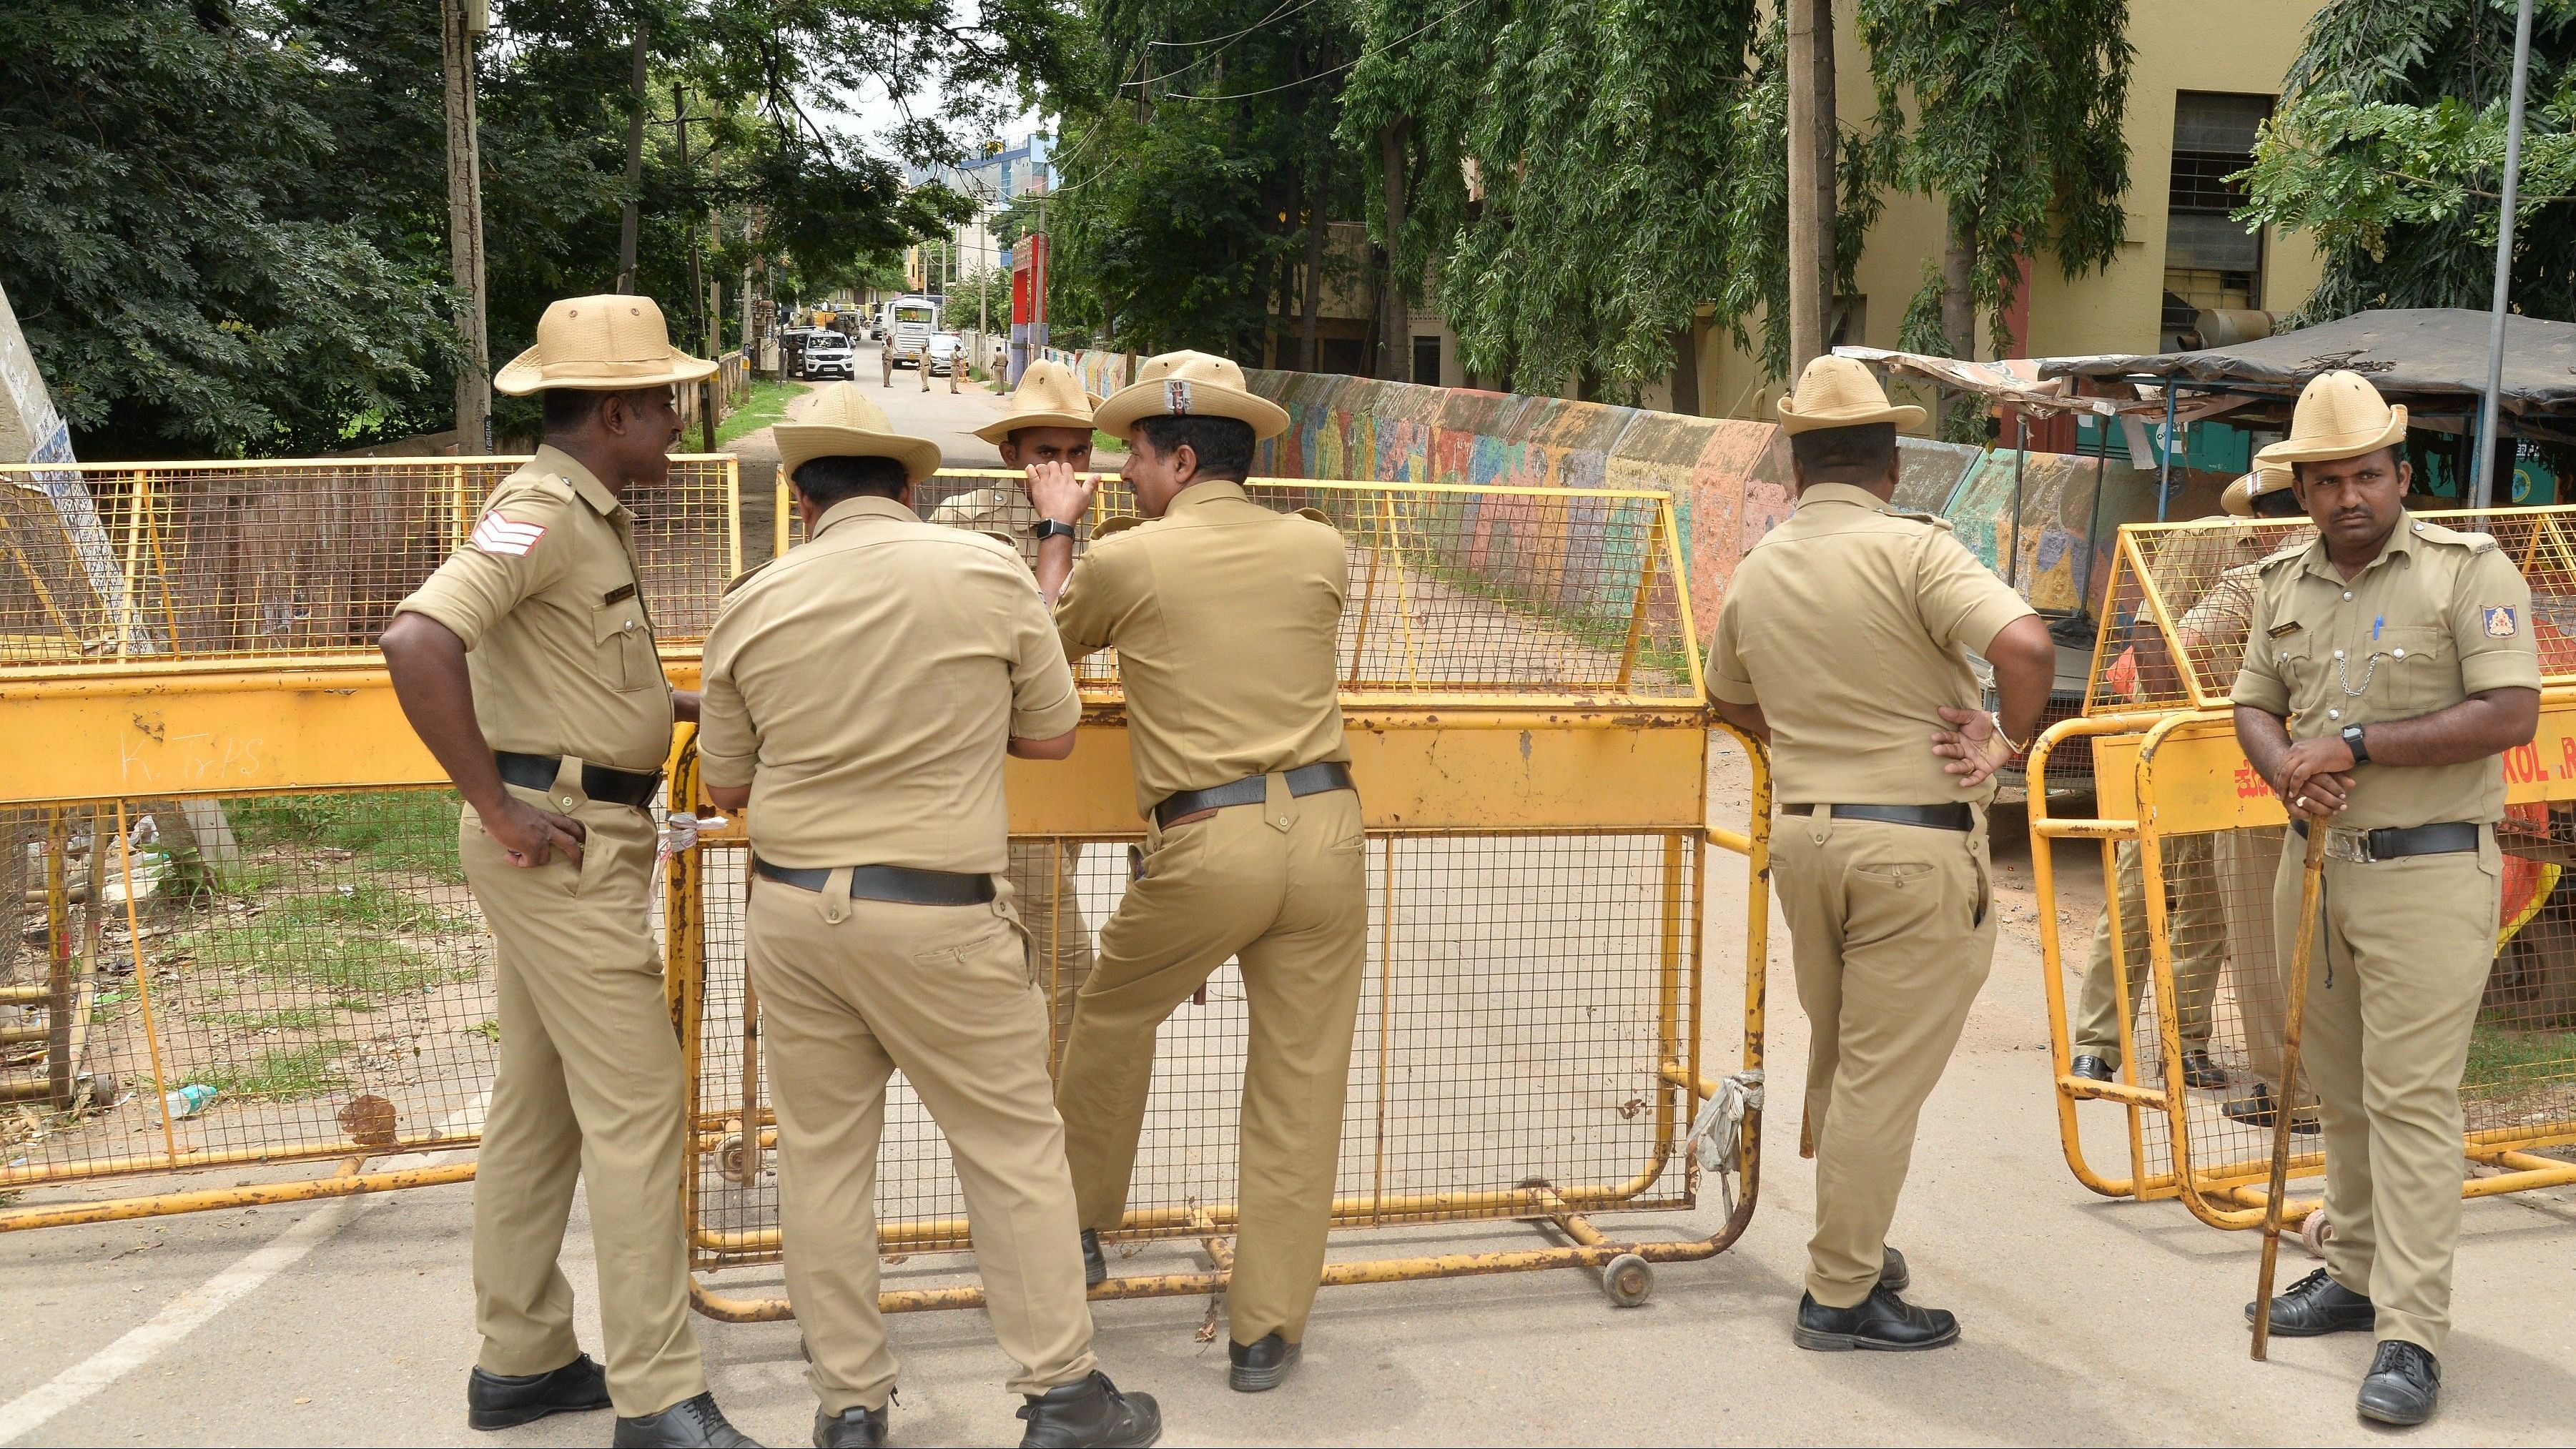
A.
pixel 1523 698
pixel 236 935
pixel 2191 840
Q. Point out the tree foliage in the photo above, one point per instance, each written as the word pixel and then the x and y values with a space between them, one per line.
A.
pixel 2389 150
pixel 224 222
pixel 2017 111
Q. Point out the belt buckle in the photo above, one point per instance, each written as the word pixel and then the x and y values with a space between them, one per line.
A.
pixel 2351 845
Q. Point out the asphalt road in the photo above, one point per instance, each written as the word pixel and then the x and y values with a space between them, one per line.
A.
pixel 2087 1321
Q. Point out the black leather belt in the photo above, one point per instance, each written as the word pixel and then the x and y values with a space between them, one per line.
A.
pixel 2447 837
pixel 1253 789
pixel 901 884
pixel 1933 817
pixel 617 787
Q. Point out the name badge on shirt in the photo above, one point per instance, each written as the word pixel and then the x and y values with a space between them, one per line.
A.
pixel 2284 629
pixel 622 591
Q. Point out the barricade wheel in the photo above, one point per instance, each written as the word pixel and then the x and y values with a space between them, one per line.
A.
pixel 1629 1280
pixel 729 1158
pixel 2314 1231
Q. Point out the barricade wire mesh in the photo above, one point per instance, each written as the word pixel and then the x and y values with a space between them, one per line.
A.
pixel 293 556
pixel 1518 992
pixel 314 962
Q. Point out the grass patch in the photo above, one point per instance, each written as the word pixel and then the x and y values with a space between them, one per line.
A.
pixel 296 1018
pixel 337 941
pixel 766 405
pixel 489 1028
pixel 282 1075
pixel 388 830
pixel 2502 1062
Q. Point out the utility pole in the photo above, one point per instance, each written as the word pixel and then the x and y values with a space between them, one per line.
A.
pixel 460 22
pixel 697 282
pixel 630 218
pixel 2484 494
pixel 1811 176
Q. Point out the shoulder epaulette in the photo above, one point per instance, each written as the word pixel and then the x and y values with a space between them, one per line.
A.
pixel 2436 533
pixel 1934 519
pixel 998 536
pixel 746 576
pixel 2284 554
pixel 1316 514
pixel 1116 523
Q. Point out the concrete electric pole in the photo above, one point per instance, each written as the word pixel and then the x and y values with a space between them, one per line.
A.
pixel 1811 178
pixel 461 23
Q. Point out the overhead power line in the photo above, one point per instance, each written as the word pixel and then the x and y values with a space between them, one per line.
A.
pixel 1451 14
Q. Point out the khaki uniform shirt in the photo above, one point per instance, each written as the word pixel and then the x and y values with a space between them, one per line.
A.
pixel 865 686
pixel 2436 617
pixel 1225 616
pixel 1003 511
pixel 1850 624
pixel 545 595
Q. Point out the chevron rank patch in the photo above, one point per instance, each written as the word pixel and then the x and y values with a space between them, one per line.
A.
pixel 2499 621
pixel 498 534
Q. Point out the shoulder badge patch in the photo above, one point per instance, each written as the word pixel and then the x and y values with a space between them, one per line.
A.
pixel 502 535
pixel 2500 621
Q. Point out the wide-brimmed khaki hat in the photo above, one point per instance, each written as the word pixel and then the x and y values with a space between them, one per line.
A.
pixel 2340 415
pixel 2267 478
pixel 1839 392
pixel 1190 385
pixel 1049 396
pixel 838 421
pixel 600 344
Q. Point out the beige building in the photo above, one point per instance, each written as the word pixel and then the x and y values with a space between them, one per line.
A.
pixel 2205 72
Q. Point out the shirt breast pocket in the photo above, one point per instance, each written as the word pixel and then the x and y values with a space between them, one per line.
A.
pixel 2423 671
pixel 626 659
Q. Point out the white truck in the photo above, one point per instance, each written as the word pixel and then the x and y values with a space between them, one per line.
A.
pixel 910 321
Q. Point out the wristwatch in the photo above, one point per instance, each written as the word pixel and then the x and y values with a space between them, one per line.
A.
pixel 1046 528
pixel 2352 742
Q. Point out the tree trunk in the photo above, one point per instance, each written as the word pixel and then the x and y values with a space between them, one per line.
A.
pixel 1310 320
pixel 465 234
pixel 1958 302
pixel 1686 369
pixel 1828 148
pixel 630 219
pixel 1808 264
pixel 1394 322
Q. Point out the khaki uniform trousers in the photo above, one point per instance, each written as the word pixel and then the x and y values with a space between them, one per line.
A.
pixel 1291 902
pixel 850 992
pixel 2400 964
pixel 588 1087
pixel 2248 862
pixel 1892 930
pixel 1044 893
pixel 2194 923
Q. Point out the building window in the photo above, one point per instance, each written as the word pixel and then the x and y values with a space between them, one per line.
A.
pixel 2212 260
pixel 1426 361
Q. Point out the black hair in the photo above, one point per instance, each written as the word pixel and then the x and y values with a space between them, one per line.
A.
pixel 2279 503
pixel 1845 455
pixel 570 409
pixel 2396 456
pixel 826 481
pixel 1223 445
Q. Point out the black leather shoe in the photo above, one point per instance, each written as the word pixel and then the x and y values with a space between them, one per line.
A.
pixel 2199 1071
pixel 1880 1321
pixel 1095 1264
pixel 689 1424
pixel 2317 1305
pixel 1260 1365
pixel 2402 1386
pixel 502 1401
pixel 850 1429
pixel 1893 1275
pixel 2258 1108
pixel 2091 1068
pixel 1091 1412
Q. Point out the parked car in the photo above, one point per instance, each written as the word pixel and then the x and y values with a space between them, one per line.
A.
pixel 828 354
pixel 947 350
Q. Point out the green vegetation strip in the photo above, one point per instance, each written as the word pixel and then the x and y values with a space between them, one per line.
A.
pixel 766 405
pixel 2503 1062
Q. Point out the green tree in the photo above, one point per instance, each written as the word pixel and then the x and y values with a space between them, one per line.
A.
pixel 2016 125
pixel 2389 150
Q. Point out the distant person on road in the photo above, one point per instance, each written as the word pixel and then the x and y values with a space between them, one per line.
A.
pixel 526 663
pixel 2388 663
pixel 1047 422
pixel 1226 617
pixel 1880 853
pixel 861 693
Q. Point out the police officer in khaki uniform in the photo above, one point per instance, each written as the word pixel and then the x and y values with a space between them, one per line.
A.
pixel 2387 664
pixel 1048 421
pixel 527 664
pixel 1225 616
pixel 1880 853
pixel 860 694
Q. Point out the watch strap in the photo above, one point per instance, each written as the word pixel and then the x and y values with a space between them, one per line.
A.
pixel 1046 528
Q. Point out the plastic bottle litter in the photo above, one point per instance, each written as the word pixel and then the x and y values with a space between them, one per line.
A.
pixel 187 1102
